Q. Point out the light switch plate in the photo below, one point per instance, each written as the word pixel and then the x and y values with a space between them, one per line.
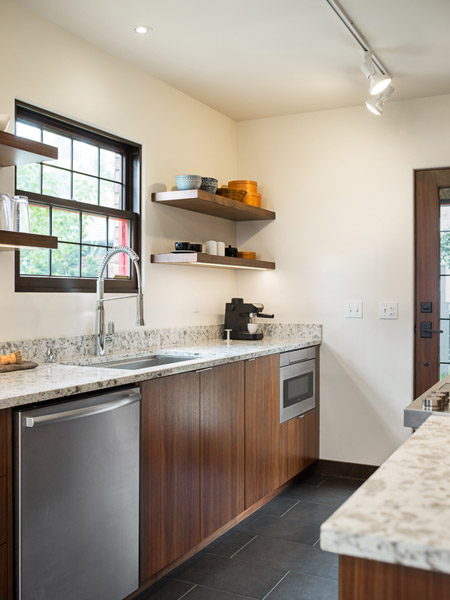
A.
pixel 353 309
pixel 388 310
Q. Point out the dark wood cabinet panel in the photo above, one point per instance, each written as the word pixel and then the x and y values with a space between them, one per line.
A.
pixel 222 445
pixel 262 427
pixel 3 442
pixel 4 572
pixel 170 470
pixel 298 444
pixel 372 580
pixel 3 510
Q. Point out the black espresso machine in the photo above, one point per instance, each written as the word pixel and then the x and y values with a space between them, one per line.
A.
pixel 239 318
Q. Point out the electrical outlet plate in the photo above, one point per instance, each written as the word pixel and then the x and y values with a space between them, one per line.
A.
pixel 388 309
pixel 353 309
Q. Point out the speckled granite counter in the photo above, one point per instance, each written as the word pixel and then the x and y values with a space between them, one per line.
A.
pixel 401 515
pixel 50 381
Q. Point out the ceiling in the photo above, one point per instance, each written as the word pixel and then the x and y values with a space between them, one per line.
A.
pixel 260 58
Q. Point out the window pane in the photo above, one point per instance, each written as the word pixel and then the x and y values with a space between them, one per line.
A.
pixel 91 257
pixel 66 260
pixel 445 370
pixel 444 346
pixel 28 178
pixel 118 232
pixel 85 189
pixel 66 225
pixel 110 194
pixel 444 193
pixel 55 182
pixel 94 229
pixel 35 262
pixel 85 158
pixel 28 131
pixel 110 165
pixel 39 219
pixel 64 145
pixel 119 266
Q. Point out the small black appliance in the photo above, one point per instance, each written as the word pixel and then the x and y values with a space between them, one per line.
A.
pixel 239 315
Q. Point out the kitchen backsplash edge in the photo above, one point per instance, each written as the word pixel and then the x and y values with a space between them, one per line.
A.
pixel 137 340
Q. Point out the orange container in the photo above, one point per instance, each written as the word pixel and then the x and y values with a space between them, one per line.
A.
pixel 251 187
pixel 248 255
pixel 253 199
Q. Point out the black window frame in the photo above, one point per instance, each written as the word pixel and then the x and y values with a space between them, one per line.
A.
pixel 132 153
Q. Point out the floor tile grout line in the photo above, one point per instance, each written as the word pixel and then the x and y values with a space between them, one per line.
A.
pixel 237 551
pixel 189 590
pixel 275 586
pixel 322 482
pixel 286 511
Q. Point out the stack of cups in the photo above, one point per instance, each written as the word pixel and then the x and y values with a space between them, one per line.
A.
pixel 215 248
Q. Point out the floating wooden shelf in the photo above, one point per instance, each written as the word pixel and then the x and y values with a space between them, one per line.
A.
pixel 197 259
pixel 16 150
pixel 214 205
pixel 13 240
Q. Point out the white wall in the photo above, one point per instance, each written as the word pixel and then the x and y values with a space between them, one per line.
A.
pixel 48 67
pixel 341 183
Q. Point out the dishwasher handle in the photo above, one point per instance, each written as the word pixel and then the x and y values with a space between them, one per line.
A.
pixel 122 399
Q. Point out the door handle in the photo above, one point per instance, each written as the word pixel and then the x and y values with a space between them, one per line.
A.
pixel 123 399
pixel 426 331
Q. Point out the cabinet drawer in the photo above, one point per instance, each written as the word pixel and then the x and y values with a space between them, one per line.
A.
pixel 3 512
pixel 3 433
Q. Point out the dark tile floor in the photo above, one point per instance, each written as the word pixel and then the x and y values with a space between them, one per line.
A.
pixel 274 554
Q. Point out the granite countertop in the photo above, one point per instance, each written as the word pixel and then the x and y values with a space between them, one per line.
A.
pixel 400 515
pixel 50 381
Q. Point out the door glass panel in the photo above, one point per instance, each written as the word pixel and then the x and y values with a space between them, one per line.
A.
pixel 444 370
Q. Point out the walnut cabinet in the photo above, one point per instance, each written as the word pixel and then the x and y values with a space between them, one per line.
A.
pixel 212 448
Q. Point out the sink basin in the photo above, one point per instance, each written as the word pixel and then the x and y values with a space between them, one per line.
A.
pixel 156 360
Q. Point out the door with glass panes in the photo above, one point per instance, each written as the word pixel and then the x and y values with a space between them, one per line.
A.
pixel 432 278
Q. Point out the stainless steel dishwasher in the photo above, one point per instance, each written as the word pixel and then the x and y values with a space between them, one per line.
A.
pixel 77 498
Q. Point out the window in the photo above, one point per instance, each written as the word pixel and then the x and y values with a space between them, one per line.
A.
pixel 89 198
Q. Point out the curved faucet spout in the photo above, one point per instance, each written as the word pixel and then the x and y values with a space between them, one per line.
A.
pixel 101 338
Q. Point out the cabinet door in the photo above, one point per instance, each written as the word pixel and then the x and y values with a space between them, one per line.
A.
pixel 298 444
pixel 170 470
pixel 222 445
pixel 262 427
pixel 3 441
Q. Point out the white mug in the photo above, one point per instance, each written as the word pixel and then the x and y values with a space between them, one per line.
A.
pixel 220 248
pixel 211 247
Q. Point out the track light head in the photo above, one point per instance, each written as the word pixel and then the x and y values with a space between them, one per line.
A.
pixel 378 83
pixel 376 103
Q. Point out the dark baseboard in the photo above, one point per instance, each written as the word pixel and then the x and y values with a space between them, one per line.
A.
pixel 334 468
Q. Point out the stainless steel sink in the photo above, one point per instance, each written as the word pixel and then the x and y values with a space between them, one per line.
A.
pixel 155 360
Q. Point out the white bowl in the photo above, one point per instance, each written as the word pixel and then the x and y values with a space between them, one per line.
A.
pixel 4 122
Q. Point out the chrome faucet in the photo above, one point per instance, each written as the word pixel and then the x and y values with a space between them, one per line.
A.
pixel 101 337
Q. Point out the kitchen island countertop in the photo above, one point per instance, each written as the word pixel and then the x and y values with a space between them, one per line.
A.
pixel 51 381
pixel 401 514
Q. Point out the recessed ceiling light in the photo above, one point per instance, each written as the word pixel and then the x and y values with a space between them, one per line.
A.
pixel 142 29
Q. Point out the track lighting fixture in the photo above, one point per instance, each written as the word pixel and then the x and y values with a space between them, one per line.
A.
pixel 375 103
pixel 377 81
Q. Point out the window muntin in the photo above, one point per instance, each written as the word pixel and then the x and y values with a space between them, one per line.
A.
pixel 89 198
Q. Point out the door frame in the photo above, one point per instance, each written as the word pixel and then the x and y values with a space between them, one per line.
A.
pixel 427 183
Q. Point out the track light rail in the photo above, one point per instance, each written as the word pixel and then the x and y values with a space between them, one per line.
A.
pixel 341 14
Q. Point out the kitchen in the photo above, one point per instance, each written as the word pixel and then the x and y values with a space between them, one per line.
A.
pixel 339 179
